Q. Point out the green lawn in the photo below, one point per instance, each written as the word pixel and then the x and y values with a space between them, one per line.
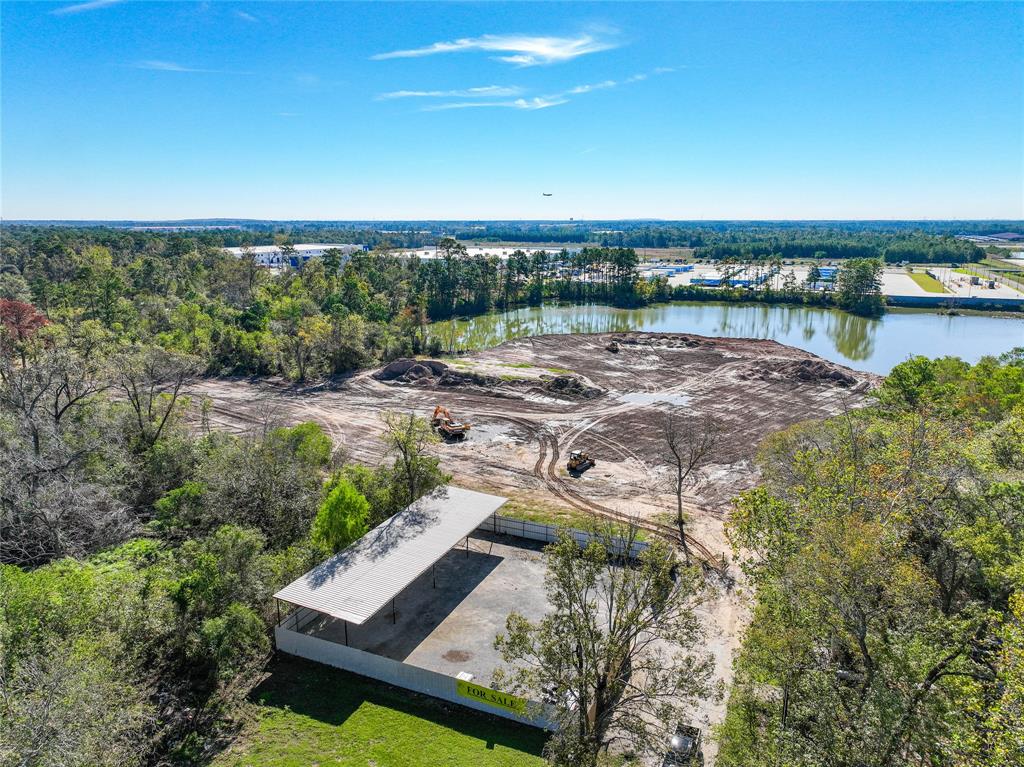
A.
pixel 927 282
pixel 307 714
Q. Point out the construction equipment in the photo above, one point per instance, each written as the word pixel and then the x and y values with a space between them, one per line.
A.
pixel 579 462
pixel 447 426
pixel 684 747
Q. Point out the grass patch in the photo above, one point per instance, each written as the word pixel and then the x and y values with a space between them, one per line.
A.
pixel 560 371
pixel 516 364
pixel 545 514
pixel 927 282
pixel 309 714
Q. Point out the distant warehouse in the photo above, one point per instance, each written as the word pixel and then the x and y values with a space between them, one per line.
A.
pixel 276 256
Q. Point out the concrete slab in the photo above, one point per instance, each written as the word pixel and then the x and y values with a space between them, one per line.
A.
pixel 450 628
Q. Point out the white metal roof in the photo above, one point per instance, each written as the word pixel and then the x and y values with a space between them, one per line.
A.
pixel 356 583
pixel 263 249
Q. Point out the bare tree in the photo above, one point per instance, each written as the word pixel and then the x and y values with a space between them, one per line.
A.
pixel 66 707
pixel 152 380
pixel 54 499
pixel 690 443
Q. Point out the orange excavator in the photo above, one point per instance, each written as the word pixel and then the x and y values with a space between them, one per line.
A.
pixel 447 426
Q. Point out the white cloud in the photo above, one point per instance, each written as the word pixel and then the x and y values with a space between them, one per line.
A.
pixel 246 17
pixel 591 87
pixel 171 66
pixel 486 91
pixel 92 5
pixel 538 102
pixel 522 50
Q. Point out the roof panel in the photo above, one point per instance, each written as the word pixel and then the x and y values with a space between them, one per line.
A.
pixel 356 583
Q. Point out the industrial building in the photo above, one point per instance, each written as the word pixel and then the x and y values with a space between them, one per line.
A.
pixel 501 251
pixel 278 256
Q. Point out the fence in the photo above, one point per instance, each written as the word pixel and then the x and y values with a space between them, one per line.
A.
pixel 957 302
pixel 399 674
pixel 537 531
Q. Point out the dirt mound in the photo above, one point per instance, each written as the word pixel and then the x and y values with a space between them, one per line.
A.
pixel 806 370
pixel 571 387
pixel 435 373
pixel 430 373
pixel 672 340
pixel 409 370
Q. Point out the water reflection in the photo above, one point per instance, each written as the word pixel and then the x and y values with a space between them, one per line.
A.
pixel 869 344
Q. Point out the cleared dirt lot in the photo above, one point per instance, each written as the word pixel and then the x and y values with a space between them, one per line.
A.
pixel 533 400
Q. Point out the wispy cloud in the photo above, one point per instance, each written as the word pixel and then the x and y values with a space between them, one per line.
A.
pixel 604 85
pixel 172 66
pixel 522 50
pixel 246 17
pixel 486 91
pixel 537 102
pixel 92 5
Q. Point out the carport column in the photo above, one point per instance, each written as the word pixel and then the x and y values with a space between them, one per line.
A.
pixel 394 615
pixel 467 547
pixel 346 633
pixel 433 574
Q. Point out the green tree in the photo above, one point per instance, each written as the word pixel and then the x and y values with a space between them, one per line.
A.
pixel 618 653
pixel 859 287
pixel 415 471
pixel 342 516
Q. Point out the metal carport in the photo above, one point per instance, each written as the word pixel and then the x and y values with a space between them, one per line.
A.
pixel 358 582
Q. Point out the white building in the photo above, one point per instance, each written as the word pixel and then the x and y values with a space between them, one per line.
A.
pixel 274 256
pixel 501 251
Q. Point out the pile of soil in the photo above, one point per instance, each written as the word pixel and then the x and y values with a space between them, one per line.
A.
pixel 435 373
pixel 807 370
pixel 430 373
pixel 675 340
pixel 570 387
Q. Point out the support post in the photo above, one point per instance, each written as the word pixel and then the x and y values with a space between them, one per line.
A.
pixel 346 633
pixel 278 603
pixel 394 615
pixel 433 573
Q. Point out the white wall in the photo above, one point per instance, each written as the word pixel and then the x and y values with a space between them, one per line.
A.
pixel 394 672
pixel 536 531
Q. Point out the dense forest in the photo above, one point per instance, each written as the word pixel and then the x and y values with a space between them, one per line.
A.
pixel 892 241
pixel 139 548
pixel 886 551
pixel 333 315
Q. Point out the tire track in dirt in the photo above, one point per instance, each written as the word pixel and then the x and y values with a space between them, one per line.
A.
pixel 545 469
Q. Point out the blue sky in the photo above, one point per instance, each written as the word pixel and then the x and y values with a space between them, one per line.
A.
pixel 384 111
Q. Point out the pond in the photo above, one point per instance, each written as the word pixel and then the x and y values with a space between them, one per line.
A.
pixel 875 345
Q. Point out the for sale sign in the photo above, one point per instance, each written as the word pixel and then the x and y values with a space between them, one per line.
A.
pixel 491 697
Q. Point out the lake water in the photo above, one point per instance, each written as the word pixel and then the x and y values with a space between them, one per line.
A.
pixel 866 344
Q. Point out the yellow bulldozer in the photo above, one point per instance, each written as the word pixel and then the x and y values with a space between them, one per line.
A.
pixel 579 462
pixel 446 425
